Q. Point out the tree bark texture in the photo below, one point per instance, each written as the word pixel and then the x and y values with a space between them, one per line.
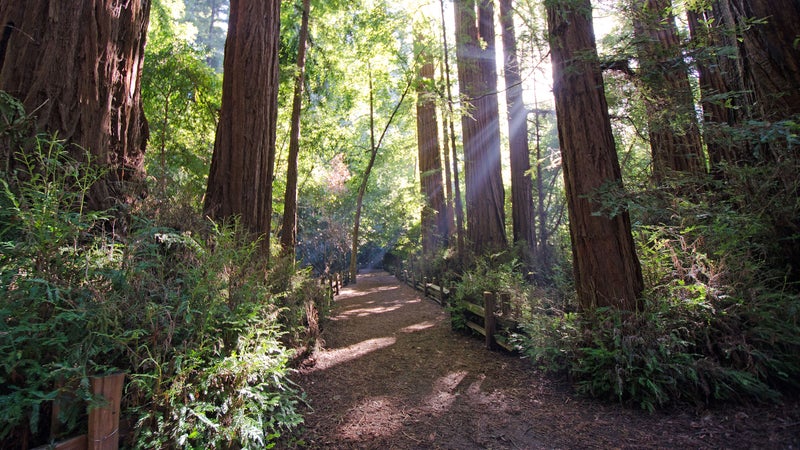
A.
pixel 289 226
pixel 672 123
pixel 76 66
pixel 458 207
pixel 771 54
pixel 717 117
pixel 606 268
pixel 756 70
pixel 242 166
pixel 434 214
pixel 477 75
pixel 522 210
pixel 448 178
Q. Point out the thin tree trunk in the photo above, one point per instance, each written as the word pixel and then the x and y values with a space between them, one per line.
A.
pixel 78 65
pixel 607 271
pixel 522 210
pixel 457 203
pixel 240 181
pixel 481 130
pixel 362 189
pixel 448 179
pixel 289 226
pixel 543 250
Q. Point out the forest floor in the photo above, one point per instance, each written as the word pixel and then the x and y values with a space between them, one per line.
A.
pixel 393 375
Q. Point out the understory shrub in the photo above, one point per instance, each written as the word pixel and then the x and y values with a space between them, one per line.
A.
pixel 721 316
pixel 487 275
pixel 194 317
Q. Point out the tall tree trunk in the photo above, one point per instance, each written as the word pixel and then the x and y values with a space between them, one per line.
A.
pixel 714 91
pixel 757 74
pixel 672 123
pixel 289 226
pixel 771 54
pixel 477 74
pixel 240 181
pixel 434 214
pixel 543 253
pixel 522 210
pixel 607 271
pixel 77 67
pixel 458 206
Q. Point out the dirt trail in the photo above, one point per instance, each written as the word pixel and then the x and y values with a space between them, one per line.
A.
pixel 394 376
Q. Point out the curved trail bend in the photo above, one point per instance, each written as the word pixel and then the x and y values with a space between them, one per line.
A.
pixel 393 375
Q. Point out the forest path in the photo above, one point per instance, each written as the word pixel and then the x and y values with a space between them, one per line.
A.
pixel 393 375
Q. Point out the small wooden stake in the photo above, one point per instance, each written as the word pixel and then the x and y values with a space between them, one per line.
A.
pixel 104 420
pixel 490 322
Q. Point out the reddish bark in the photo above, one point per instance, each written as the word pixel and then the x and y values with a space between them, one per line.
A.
pixel 434 214
pixel 606 268
pixel 76 66
pixel 240 181
pixel 672 124
pixel 755 76
pixel 522 210
pixel 477 74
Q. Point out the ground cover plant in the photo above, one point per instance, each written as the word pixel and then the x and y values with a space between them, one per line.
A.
pixel 195 318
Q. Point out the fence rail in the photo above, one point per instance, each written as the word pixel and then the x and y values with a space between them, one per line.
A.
pixel 103 433
pixel 481 314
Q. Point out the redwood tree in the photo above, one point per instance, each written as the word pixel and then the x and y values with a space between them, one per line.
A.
pixel 240 181
pixel 289 226
pixel 606 268
pixel 672 123
pixel 754 74
pixel 435 227
pixel 77 67
pixel 477 77
pixel 450 132
pixel 522 210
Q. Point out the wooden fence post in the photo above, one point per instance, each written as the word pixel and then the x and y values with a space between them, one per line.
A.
pixel 104 420
pixel 424 286
pixel 489 320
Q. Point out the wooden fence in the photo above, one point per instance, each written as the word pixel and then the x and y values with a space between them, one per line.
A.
pixel 104 429
pixel 481 314
pixel 103 433
pixel 433 289
pixel 334 282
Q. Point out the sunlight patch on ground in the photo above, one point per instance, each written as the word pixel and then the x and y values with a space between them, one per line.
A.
pixel 444 394
pixel 330 358
pixel 418 327
pixel 363 312
pixel 353 293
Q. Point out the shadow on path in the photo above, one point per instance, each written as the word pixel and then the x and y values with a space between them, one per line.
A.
pixel 393 375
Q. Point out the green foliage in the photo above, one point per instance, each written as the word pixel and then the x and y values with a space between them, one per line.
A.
pixel 491 274
pixel 181 96
pixel 721 314
pixel 195 319
pixel 211 367
pixel 50 285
